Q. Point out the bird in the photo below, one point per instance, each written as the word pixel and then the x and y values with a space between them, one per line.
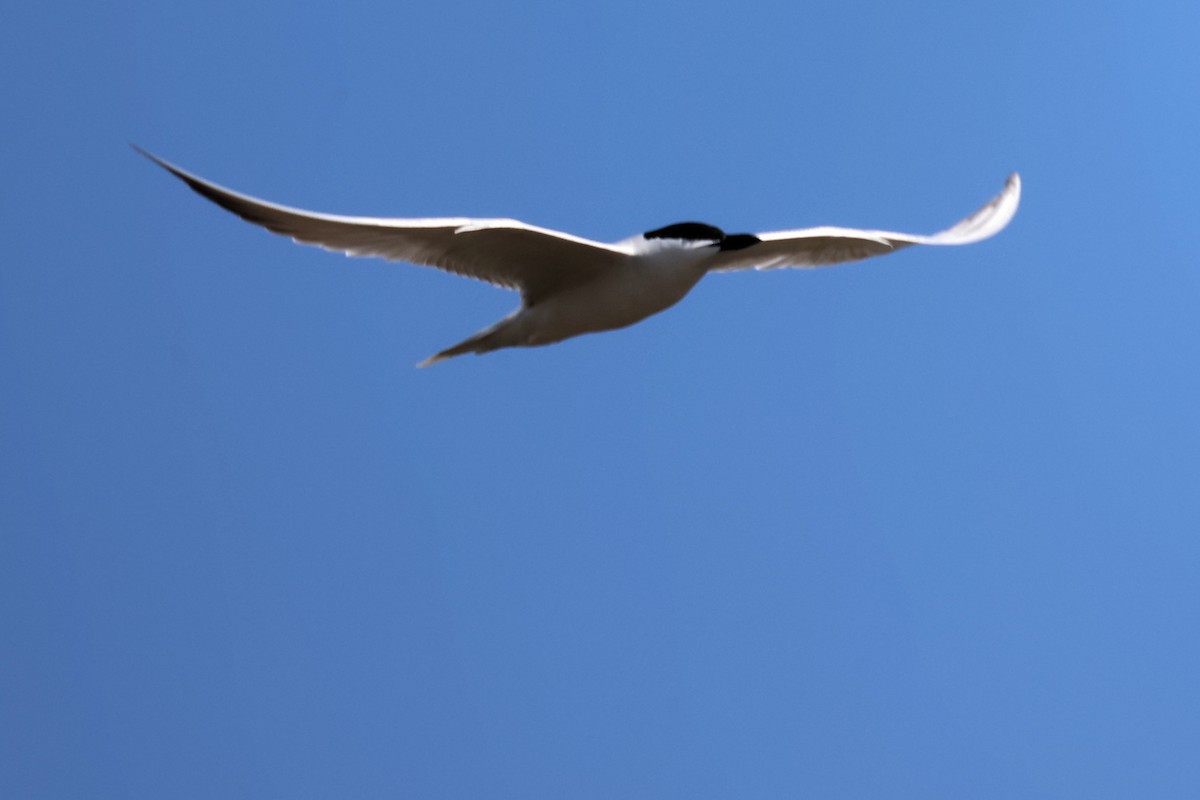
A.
pixel 570 285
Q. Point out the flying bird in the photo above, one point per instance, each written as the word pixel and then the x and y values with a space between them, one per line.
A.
pixel 570 285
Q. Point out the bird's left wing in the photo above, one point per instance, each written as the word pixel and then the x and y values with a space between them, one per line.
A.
pixel 505 252
pixel 820 247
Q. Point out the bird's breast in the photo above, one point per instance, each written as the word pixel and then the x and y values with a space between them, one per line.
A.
pixel 619 297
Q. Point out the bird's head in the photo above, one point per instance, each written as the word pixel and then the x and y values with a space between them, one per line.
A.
pixel 704 235
pixel 688 232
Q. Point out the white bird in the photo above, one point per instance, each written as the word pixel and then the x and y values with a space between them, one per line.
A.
pixel 570 285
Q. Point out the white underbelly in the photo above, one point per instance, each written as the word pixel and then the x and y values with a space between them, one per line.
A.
pixel 615 301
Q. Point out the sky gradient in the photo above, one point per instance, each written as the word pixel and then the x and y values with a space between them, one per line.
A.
pixel 926 526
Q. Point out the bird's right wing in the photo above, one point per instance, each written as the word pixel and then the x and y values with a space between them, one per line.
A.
pixel 505 252
pixel 820 247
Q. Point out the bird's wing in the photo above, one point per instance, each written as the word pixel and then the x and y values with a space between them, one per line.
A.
pixel 821 247
pixel 505 252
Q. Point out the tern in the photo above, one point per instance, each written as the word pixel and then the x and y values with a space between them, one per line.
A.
pixel 570 285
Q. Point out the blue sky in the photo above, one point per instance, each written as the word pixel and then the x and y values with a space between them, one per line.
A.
pixel 926 526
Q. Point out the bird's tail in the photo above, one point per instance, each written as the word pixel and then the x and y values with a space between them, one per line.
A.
pixel 485 341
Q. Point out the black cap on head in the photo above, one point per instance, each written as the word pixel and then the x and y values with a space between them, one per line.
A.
pixel 692 231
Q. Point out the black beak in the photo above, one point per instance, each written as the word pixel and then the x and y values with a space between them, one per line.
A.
pixel 738 241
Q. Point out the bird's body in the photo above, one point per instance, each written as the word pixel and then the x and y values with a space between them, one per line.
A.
pixel 570 286
pixel 652 278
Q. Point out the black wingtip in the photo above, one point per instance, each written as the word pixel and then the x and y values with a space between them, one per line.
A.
pixel 200 187
pixel 168 166
pixel 144 152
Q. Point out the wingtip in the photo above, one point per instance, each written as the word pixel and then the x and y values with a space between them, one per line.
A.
pixel 1010 197
pixel 167 165
pixel 1014 186
pixel 144 152
pixel 989 220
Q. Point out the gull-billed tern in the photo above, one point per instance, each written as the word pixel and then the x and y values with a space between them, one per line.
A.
pixel 570 285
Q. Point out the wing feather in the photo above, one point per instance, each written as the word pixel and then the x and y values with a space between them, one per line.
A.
pixel 504 252
pixel 825 246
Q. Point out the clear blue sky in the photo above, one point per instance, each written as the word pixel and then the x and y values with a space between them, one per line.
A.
pixel 922 527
